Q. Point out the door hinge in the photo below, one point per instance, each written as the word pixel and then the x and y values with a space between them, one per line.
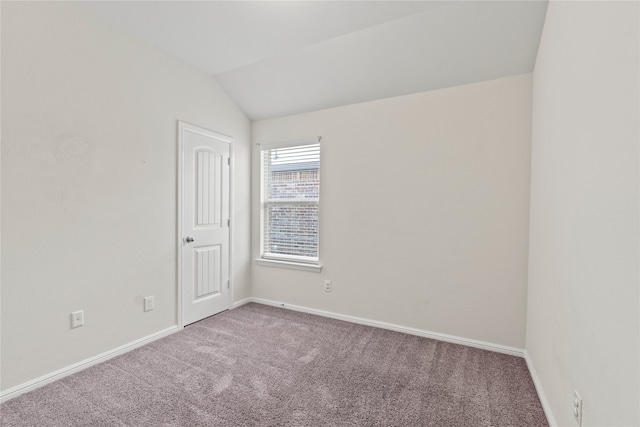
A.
pixel 229 161
pixel 227 284
pixel 228 223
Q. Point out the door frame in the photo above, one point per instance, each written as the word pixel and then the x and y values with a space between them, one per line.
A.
pixel 182 126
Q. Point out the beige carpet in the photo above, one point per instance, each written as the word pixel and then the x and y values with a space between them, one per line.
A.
pixel 265 366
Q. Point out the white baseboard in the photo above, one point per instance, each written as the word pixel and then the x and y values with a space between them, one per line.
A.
pixel 241 302
pixel 61 373
pixel 513 351
pixel 543 398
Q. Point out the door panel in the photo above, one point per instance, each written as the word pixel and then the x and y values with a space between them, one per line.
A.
pixel 205 227
pixel 209 181
pixel 208 271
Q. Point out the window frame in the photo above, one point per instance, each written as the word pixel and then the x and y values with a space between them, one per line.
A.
pixel 268 259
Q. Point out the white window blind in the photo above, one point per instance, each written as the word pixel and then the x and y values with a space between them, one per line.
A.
pixel 290 203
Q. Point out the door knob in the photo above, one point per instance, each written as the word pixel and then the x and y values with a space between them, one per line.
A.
pixel 189 239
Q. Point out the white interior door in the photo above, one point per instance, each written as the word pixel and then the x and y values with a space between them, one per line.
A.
pixel 204 237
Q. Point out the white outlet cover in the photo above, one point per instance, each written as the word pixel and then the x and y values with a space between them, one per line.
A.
pixel 149 303
pixel 77 319
pixel 577 408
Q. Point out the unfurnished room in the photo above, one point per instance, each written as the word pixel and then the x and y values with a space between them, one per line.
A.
pixel 320 213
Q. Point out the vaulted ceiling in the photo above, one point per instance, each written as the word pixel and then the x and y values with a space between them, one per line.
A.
pixel 277 58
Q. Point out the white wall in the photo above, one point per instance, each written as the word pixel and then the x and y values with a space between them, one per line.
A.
pixel 424 210
pixel 89 184
pixel 582 327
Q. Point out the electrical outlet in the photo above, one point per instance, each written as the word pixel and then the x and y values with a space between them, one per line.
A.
pixel 77 319
pixel 327 285
pixel 149 303
pixel 577 408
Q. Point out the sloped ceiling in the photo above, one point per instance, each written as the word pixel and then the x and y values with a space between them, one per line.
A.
pixel 278 58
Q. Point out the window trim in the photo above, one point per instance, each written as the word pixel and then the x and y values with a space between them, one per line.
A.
pixel 303 266
pixel 279 260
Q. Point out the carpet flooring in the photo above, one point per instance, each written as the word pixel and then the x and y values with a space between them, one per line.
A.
pixel 265 366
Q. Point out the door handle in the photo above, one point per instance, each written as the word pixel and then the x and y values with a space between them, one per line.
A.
pixel 189 239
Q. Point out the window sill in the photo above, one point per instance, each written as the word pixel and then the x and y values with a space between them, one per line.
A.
pixel 315 268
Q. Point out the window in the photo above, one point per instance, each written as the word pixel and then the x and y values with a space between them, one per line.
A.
pixel 290 203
